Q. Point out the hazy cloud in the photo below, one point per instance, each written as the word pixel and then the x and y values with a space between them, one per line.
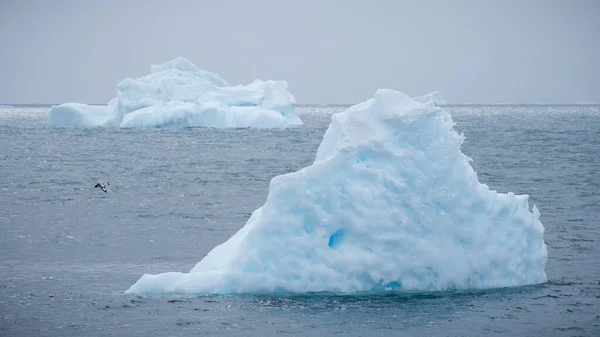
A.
pixel 328 51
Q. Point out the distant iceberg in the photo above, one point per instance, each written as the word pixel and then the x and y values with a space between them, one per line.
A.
pixel 179 94
pixel 390 203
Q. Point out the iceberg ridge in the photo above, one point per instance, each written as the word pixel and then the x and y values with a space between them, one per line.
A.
pixel 436 97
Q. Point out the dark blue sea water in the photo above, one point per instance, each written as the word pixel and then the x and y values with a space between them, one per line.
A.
pixel 69 251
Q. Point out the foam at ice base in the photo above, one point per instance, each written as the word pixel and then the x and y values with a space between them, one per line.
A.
pixel 179 94
pixel 390 202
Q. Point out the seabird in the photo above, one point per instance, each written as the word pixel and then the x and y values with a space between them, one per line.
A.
pixel 102 186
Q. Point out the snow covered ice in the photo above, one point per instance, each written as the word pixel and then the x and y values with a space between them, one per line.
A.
pixel 179 94
pixel 390 202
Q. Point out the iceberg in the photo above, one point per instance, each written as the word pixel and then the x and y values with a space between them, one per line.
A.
pixel 78 114
pixel 436 97
pixel 179 94
pixel 389 203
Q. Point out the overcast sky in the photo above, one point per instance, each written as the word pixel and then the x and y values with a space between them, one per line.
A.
pixel 54 51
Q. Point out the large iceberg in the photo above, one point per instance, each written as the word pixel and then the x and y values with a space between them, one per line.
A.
pixel 178 93
pixel 390 202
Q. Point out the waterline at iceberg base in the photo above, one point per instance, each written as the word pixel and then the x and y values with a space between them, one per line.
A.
pixel 390 203
pixel 179 94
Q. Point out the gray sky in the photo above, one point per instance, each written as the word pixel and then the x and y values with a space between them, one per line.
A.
pixel 54 51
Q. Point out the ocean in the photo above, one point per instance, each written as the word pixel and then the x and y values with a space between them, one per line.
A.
pixel 68 251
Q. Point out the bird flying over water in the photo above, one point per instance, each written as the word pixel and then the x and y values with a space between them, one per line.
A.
pixel 102 186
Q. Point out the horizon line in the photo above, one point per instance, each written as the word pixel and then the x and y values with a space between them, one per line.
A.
pixel 5 105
